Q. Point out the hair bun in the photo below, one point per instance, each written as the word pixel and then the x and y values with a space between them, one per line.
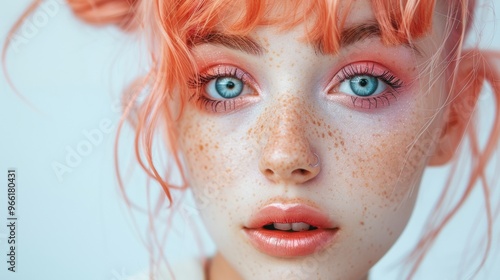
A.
pixel 101 12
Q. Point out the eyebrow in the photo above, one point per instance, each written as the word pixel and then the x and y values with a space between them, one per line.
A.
pixel 360 32
pixel 349 36
pixel 241 43
pixel 357 33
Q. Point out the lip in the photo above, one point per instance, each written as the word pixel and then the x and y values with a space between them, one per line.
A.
pixel 285 244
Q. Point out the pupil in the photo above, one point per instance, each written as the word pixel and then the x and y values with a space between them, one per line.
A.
pixel 363 82
pixel 230 85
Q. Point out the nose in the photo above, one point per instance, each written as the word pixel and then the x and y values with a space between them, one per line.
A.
pixel 287 156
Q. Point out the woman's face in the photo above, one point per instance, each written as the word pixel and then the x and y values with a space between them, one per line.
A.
pixel 306 164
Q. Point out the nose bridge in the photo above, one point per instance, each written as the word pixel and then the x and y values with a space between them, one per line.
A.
pixel 286 126
pixel 287 156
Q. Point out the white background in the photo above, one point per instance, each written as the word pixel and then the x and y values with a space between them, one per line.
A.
pixel 76 226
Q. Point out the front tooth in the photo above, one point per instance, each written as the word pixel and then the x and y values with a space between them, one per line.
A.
pixel 300 226
pixel 282 226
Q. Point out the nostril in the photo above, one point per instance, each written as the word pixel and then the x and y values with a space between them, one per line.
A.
pixel 284 174
pixel 301 171
pixel 268 172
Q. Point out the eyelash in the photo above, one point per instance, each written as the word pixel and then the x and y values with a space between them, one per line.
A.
pixel 383 99
pixel 217 105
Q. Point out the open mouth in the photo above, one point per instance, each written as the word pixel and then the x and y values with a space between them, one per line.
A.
pixel 291 227
pixel 290 230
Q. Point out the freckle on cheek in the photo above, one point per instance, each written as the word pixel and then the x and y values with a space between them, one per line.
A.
pixel 385 163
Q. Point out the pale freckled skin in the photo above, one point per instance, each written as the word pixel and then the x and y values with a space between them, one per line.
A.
pixel 260 153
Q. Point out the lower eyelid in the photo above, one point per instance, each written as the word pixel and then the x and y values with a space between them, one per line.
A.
pixel 223 106
pixel 379 101
pixel 215 105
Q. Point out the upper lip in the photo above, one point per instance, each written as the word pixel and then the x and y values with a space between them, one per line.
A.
pixel 289 213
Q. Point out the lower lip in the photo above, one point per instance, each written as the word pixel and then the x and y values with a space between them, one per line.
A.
pixel 290 244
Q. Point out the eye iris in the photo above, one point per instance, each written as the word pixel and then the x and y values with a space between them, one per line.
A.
pixel 228 87
pixel 364 85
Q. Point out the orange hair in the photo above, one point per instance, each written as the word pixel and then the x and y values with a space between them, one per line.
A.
pixel 170 26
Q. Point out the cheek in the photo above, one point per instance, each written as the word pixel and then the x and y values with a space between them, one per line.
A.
pixel 201 146
pixel 213 161
pixel 386 164
pixel 383 171
pixel 384 154
pixel 372 170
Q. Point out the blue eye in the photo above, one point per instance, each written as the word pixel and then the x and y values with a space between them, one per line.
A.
pixel 362 85
pixel 225 87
